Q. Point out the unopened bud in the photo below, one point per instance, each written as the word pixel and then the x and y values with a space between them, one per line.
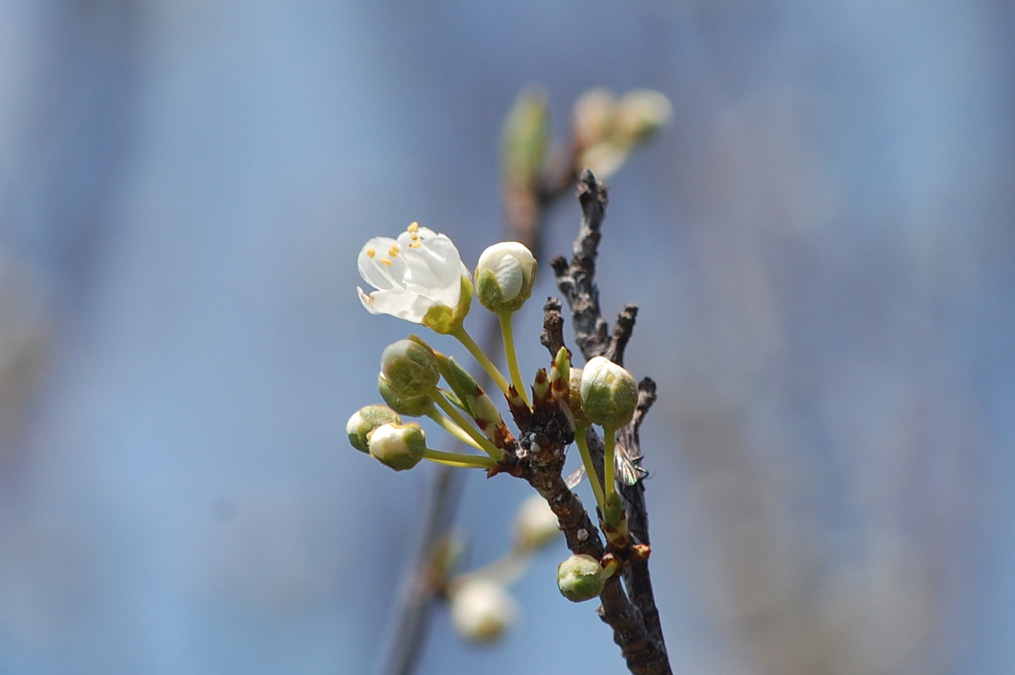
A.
pixel 504 276
pixel 593 115
pixel 525 139
pixel 536 524
pixel 415 405
pixel 365 420
pixel 481 610
pixel 604 159
pixel 609 393
pixel 640 113
pixel 410 367
pixel 574 401
pixel 398 446
pixel 560 375
pixel 580 578
pixel 540 385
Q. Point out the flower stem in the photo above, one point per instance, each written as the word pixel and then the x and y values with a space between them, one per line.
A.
pixel 458 459
pixel 609 445
pixel 462 336
pixel 613 514
pixel 509 353
pixel 590 469
pixel 452 428
pixel 484 443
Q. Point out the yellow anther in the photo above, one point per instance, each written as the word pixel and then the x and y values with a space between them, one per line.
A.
pixel 371 252
pixel 413 227
pixel 386 261
pixel 414 244
pixel 393 251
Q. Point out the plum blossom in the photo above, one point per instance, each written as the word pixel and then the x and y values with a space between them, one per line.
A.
pixel 418 277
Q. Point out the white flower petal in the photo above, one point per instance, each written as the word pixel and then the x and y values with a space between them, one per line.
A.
pixel 418 270
pixel 510 276
pixel 481 610
pixel 440 257
pixel 379 267
pixel 398 303
pixel 434 269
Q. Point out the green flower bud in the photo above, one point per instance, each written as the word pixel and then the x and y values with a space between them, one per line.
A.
pixel 540 385
pixel 481 610
pixel 525 139
pixel 574 401
pixel 410 368
pixel 580 578
pixel 560 375
pixel 504 276
pixel 365 420
pixel 609 393
pixel 398 446
pixel 408 405
pixel 535 524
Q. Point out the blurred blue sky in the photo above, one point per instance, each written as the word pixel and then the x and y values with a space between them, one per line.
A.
pixel 821 244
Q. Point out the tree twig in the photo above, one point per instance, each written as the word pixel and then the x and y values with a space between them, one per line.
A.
pixel 641 639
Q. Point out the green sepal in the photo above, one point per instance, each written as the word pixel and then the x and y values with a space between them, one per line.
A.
pixel 471 396
pixel 453 399
pixel 490 296
pixel 410 367
pixel 488 290
pixel 365 420
pixel 410 406
pixel 443 319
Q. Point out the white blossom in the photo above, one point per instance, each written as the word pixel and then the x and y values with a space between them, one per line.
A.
pixel 481 610
pixel 418 273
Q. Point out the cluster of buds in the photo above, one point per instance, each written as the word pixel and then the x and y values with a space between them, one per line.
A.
pixel 419 277
pixel 607 129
